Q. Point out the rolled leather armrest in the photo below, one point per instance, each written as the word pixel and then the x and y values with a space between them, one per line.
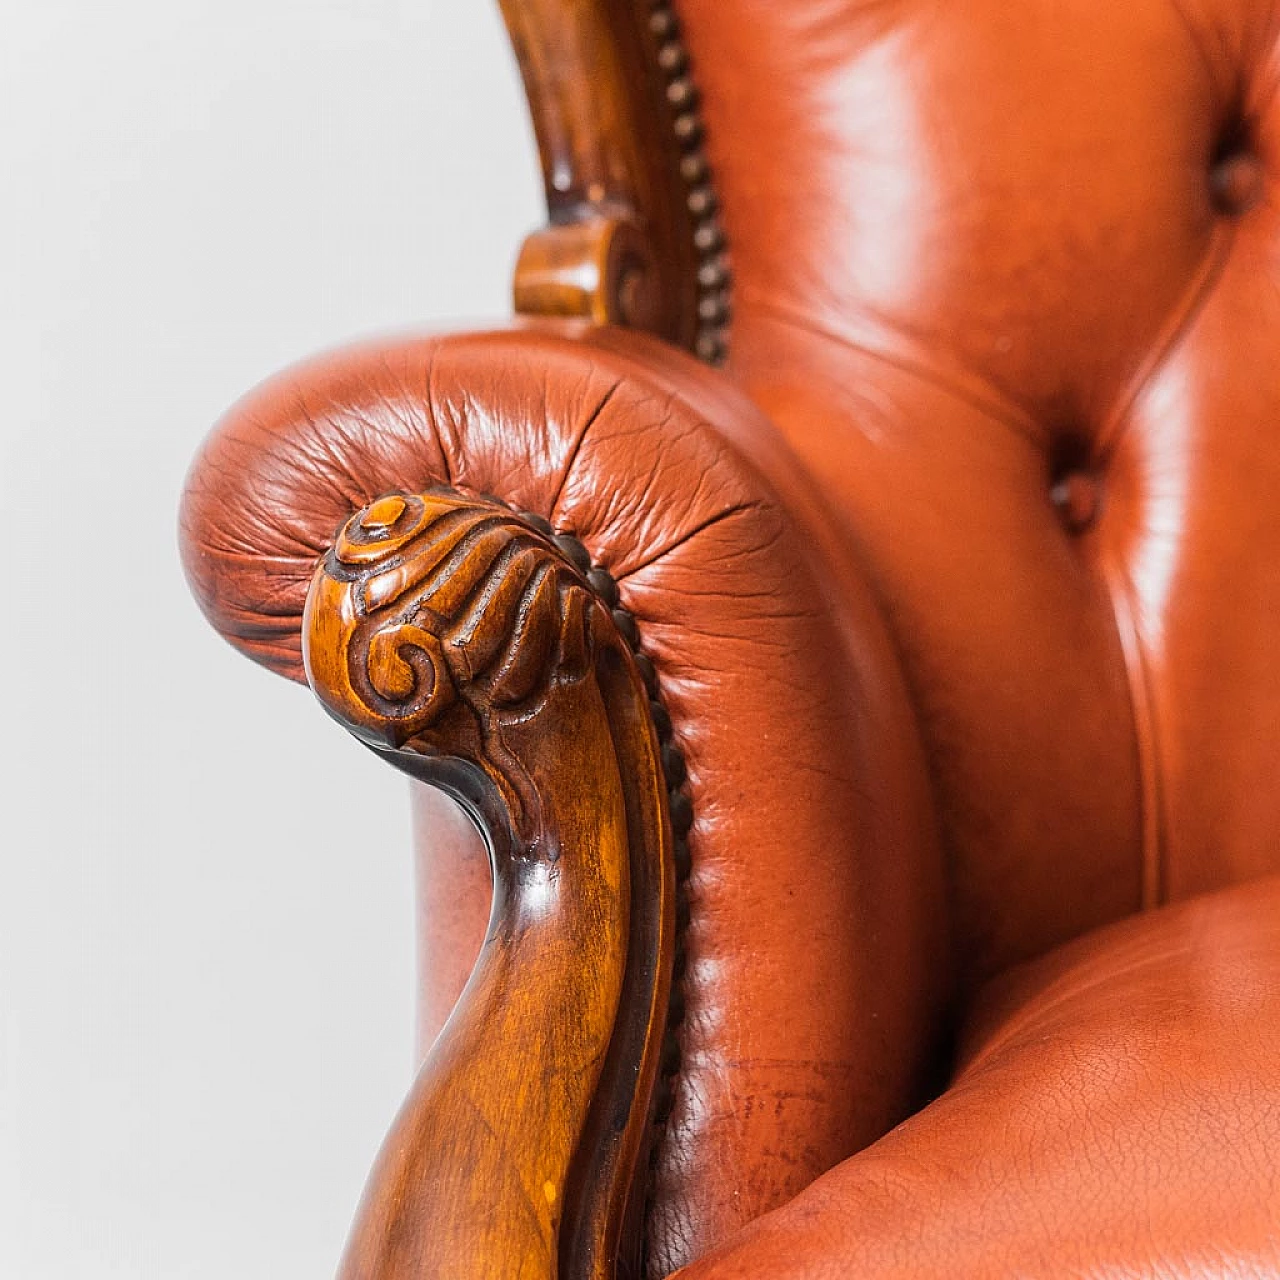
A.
pixel 811 813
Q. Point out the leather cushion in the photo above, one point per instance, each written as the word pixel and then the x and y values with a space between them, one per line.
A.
pixel 1116 1113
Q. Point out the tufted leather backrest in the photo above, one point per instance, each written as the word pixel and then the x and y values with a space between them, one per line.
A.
pixel 1008 276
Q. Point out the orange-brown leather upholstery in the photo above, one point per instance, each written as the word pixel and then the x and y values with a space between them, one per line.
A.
pixel 1115 1114
pixel 982 249
pixel 975 544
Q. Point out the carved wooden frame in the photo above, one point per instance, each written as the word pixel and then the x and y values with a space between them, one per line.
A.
pixel 635 235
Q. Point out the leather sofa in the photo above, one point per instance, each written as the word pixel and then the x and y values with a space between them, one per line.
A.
pixel 870 711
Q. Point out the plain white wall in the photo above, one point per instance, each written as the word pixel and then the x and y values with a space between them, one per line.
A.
pixel 205 925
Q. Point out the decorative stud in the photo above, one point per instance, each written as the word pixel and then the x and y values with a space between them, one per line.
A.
pixel 603 585
pixel 573 551
pixel 681 814
pixel 647 673
pixel 672 57
pixel 627 625
pixel 541 523
pixel 701 202
pixel 673 766
pixel 688 128
pixel 661 721
pixel 683 863
pixel 713 278
pixel 708 237
pixel 710 347
pixel 713 274
pixel 681 93
pixel 693 167
pixel 662 22
pixel 711 308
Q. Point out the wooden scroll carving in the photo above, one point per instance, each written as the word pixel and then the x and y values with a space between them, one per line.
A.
pixel 635 236
pixel 479 651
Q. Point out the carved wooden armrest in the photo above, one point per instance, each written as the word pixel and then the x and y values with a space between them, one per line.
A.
pixel 477 650
pixel 679 604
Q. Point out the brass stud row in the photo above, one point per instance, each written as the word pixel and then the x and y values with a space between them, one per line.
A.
pixel 700 199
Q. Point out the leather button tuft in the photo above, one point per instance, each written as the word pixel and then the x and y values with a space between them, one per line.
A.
pixel 1077 499
pixel 1236 182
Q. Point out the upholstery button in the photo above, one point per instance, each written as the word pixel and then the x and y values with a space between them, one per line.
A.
pixel 1236 182
pixel 1077 499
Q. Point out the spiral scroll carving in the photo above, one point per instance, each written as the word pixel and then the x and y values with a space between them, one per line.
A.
pixel 456 600
pixel 441 618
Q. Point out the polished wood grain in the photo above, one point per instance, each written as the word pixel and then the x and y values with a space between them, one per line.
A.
pixel 615 111
pixel 478 650
pixel 597 267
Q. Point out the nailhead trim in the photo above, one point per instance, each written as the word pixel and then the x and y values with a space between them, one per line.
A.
pixel 711 336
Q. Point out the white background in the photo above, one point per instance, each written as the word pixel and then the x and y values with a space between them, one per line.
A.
pixel 205 923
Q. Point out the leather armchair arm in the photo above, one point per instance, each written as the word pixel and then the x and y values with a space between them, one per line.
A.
pixel 647 656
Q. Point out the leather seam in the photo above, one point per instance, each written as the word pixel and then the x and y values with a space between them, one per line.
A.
pixel 1017 420
pixel 1012 1030
pixel 1152 819
pixel 1124 603
pixel 1175 328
